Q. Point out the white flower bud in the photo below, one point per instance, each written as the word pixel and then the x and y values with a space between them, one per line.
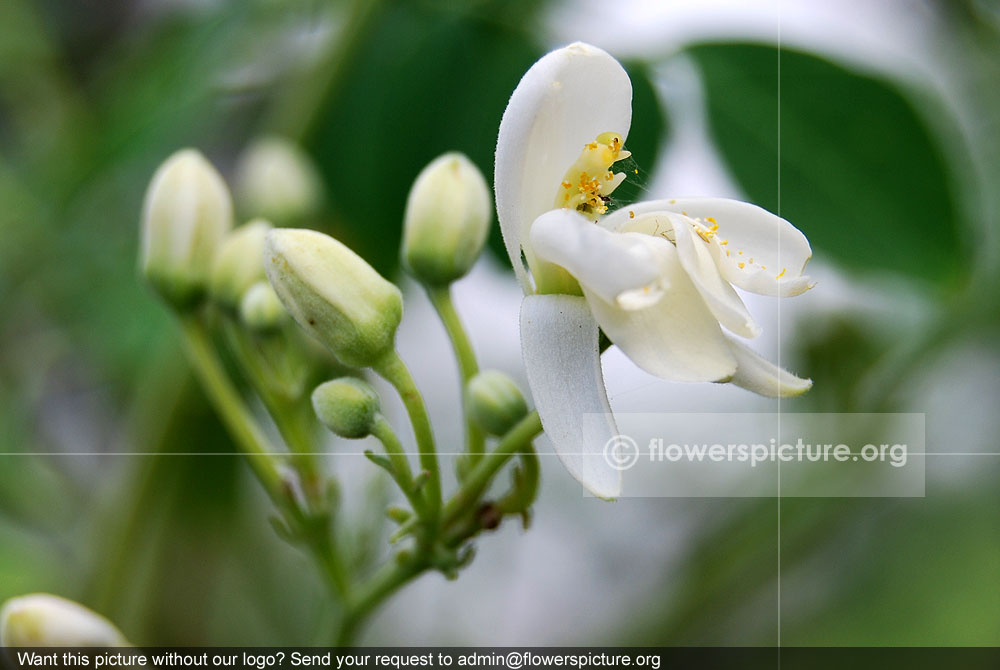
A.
pixel 347 406
pixel 494 402
pixel 239 263
pixel 261 309
pixel 276 180
pixel 447 220
pixel 186 213
pixel 43 620
pixel 334 294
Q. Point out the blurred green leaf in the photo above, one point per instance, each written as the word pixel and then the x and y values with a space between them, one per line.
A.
pixel 426 81
pixel 859 173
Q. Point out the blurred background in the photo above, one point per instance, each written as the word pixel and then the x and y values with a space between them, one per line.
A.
pixel 873 126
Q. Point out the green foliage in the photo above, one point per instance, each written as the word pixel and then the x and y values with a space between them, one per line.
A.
pixel 426 82
pixel 843 155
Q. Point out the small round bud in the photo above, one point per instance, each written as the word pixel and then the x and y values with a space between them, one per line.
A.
pixel 43 620
pixel 186 213
pixel 347 406
pixel 276 180
pixel 239 263
pixel 494 402
pixel 334 294
pixel 447 220
pixel 261 309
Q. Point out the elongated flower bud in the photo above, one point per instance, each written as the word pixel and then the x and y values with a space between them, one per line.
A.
pixel 276 180
pixel 447 220
pixel 347 406
pixel 494 402
pixel 334 294
pixel 239 263
pixel 186 213
pixel 43 620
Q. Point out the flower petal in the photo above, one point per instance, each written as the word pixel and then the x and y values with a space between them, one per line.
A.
pixel 699 263
pixel 756 373
pixel 677 338
pixel 559 341
pixel 773 253
pixel 619 267
pixel 564 101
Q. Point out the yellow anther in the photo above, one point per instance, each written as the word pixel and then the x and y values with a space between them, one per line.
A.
pixel 741 265
pixel 781 274
pixel 631 214
pixel 590 195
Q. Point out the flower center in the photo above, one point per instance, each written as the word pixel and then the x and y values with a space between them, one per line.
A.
pixel 588 183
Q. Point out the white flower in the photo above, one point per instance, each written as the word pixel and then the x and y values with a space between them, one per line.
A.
pixel 43 620
pixel 657 277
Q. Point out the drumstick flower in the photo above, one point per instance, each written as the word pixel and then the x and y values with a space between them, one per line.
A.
pixel 656 277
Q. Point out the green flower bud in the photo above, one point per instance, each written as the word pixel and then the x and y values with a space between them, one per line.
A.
pixel 447 220
pixel 494 402
pixel 347 406
pixel 43 620
pixel 239 263
pixel 334 294
pixel 186 214
pixel 261 309
pixel 276 180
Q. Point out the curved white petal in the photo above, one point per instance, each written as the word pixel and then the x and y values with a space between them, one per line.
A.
pixel 559 342
pixel 677 338
pixel 564 101
pixel 619 267
pixel 756 373
pixel 700 265
pixel 773 252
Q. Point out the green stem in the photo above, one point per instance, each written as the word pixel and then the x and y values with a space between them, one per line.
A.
pixel 394 370
pixel 475 440
pixel 522 497
pixel 286 411
pixel 394 575
pixel 384 433
pixel 234 413
pixel 383 584
pixel 246 432
pixel 514 442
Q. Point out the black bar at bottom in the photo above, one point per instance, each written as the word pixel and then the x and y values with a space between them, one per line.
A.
pixel 499 658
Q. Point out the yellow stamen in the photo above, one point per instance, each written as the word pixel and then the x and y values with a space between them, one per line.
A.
pixel 586 194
